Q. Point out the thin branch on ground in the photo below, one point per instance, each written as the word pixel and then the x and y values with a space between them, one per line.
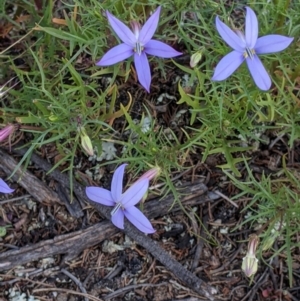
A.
pixel 131 287
pixel 77 282
pixel 15 199
pixel 226 198
pixel 55 289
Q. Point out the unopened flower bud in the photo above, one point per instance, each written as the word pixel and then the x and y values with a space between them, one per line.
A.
pixel 269 241
pixel 151 174
pixel 250 265
pixel 86 142
pixel 195 59
pixel 250 262
pixel 53 117
pixel 7 131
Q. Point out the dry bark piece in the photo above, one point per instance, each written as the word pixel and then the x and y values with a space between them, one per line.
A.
pixel 70 244
pixel 36 187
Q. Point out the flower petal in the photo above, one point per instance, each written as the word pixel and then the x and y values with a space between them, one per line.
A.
pixel 149 27
pixel 229 36
pixel 251 28
pixel 160 49
pixel 117 183
pixel 272 43
pixel 118 219
pixel 115 55
pixel 100 195
pixel 135 193
pixel 259 73
pixel 228 64
pixel 122 31
pixel 143 70
pixel 4 188
pixel 8 130
pixel 138 219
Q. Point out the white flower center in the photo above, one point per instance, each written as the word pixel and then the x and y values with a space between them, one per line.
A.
pixel 138 48
pixel 116 208
pixel 249 53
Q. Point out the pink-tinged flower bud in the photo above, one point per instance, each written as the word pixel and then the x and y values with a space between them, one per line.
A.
pixel 250 262
pixel 86 142
pixel 250 265
pixel 151 174
pixel 7 131
pixel 136 28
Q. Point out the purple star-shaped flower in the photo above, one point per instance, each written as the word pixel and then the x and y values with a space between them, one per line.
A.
pixel 4 188
pixel 123 203
pixel 137 43
pixel 246 47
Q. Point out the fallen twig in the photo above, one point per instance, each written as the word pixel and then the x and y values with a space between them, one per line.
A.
pixel 77 282
pixel 36 187
pixel 15 199
pixel 40 290
pixel 226 198
pixel 130 287
pixel 71 244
